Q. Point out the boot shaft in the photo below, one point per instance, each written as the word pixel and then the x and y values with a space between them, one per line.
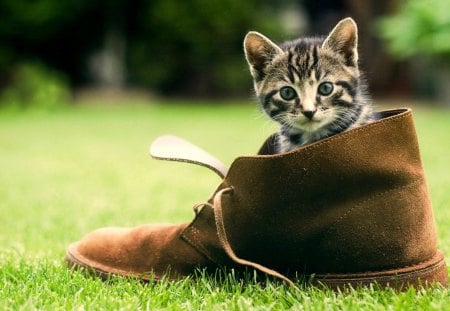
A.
pixel 355 202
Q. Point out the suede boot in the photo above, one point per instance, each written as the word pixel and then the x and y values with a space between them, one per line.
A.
pixel 351 209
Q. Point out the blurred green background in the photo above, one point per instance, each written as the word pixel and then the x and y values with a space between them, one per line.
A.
pixel 86 85
pixel 52 52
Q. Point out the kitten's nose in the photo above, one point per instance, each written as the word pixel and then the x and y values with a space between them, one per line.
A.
pixel 309 113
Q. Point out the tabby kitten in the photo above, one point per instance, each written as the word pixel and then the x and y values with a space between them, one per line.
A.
pixel 310 86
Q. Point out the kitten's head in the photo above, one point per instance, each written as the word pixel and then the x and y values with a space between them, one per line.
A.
pixel 308 83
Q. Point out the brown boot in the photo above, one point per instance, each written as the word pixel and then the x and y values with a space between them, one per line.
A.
pixel 351 209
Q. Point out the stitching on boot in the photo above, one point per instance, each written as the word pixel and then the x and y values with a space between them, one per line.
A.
pixel 339 136
pixel 333 226
pixel 372 198
pixel 412 265
pixel 358 129
pixel 419 263
pixel 432 267
pixel 196 243
pixel 367 127
pixel 429 271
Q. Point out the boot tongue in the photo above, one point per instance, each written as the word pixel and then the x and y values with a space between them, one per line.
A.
pixel 173 148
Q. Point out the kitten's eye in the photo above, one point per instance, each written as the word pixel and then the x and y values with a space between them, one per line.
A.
pixel 325 88
pixel 287 93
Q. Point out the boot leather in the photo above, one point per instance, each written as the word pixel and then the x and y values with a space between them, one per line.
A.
pixel 350 209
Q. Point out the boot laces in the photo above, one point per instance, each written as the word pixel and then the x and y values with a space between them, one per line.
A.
pixel 218 216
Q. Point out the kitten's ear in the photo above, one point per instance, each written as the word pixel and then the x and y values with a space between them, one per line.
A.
pixel 259 52
pixel 343 39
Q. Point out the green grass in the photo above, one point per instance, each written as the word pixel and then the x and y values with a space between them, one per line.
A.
pixel 66 173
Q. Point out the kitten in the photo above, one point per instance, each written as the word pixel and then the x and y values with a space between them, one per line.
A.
pixel 312 87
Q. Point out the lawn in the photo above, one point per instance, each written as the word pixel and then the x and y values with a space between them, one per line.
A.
pixel 65 173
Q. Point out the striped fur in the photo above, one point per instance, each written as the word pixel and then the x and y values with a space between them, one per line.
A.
pixel 293 80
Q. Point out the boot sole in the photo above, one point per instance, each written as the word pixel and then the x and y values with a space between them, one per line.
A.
pixel 74 262
pixel 424 274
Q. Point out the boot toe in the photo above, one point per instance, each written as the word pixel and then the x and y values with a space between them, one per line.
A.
pixel 146 252
pixel 104 250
